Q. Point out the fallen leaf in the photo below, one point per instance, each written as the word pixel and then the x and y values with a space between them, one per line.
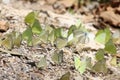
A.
pixel 51 1
pixel 111 18
pixel 67 3
pixel 118 55
pixel 3 26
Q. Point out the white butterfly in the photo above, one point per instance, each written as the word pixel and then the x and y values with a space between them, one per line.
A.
pixel 82 36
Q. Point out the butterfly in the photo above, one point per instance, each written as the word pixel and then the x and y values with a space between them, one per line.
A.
pixel 83 36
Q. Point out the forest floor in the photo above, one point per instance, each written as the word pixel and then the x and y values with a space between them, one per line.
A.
pixel 58 13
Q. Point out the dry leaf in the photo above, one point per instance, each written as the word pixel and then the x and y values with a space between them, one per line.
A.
pixel 67 3
pixel 51 1
pixel 111 18
pixel 3 26
pixel 118 55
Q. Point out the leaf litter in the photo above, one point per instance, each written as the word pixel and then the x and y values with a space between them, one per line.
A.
pixel 27 67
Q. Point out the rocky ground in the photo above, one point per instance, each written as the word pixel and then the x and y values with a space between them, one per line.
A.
pixel 53 12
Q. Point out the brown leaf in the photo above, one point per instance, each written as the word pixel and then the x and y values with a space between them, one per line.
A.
pixel 67 3
pixel 111 18
pixel 51 1
pixel 88 18
pixel 117 55
pixel 115 3
pixel 3 26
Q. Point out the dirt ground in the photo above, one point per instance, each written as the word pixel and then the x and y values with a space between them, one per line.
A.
pixel 14 67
